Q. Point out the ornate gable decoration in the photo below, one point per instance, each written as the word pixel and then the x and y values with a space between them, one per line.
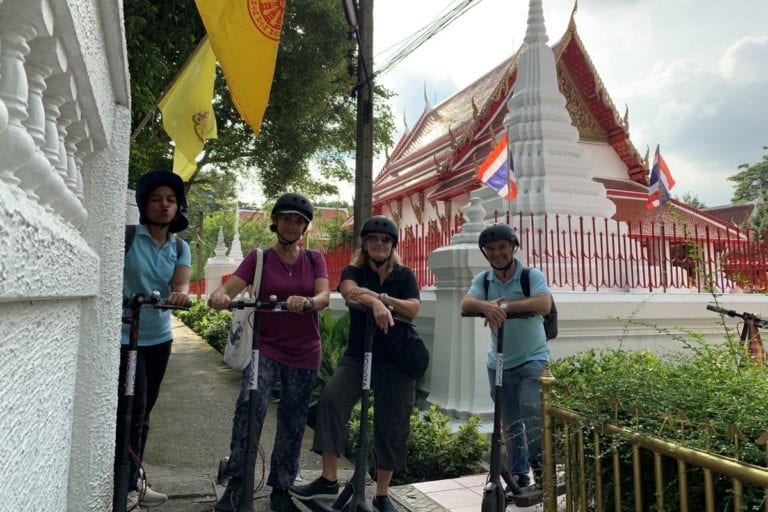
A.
pixel 581 116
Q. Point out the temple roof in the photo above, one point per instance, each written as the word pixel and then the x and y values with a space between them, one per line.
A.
pixel 738 214
pixel 449 141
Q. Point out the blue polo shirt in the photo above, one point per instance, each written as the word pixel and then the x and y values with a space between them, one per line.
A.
pixel 147 268
pixel 524 338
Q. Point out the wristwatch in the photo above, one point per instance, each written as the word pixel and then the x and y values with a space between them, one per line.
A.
pixel 383 298
pixel 504 306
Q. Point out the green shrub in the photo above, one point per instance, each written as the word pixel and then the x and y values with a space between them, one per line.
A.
pixel 649 393
pixel 435 451
pixel 211 325
pixel 216 333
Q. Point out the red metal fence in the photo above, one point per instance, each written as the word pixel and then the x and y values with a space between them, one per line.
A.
pixel 581 253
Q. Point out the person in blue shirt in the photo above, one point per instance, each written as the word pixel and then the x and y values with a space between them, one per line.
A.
pixel 152 262
pixel 525 344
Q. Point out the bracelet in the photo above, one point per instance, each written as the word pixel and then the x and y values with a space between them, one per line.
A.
pixel 383 297
pixel 311 302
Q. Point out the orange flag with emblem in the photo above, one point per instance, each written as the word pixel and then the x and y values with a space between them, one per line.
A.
pixel 244 35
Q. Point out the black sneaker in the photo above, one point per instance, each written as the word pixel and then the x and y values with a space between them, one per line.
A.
pixel 383 504
pixel 280 501
pixel 319 489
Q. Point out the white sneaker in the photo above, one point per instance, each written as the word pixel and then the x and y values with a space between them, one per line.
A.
pixel 132 503
pixel 149 497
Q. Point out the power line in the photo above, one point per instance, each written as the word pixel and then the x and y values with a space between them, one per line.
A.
pixel 427 32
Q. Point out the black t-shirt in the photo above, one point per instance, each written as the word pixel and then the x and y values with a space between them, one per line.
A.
pixel 400 284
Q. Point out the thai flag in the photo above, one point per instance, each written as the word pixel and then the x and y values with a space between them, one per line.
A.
pixel 661 182
pixel 496 171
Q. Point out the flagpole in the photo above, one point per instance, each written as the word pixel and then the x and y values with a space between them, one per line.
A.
pixel 509 180
pixel 165 90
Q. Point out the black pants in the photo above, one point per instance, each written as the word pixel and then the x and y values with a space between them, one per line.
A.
pixel 151 362
pixel 395 395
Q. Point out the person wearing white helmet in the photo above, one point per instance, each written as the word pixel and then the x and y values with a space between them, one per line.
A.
pixel 155 260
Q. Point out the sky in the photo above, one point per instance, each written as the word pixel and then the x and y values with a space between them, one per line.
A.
pixel 694 73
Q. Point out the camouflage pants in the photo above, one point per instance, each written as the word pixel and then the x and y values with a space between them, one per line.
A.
pixel 296 388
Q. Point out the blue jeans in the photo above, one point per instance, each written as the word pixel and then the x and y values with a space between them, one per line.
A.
pixel 521 414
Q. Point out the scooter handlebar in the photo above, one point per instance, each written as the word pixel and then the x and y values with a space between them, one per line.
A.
pixel 734 314
pixel 154 301
pixel 509 315
pixel 270 304
pixel 359 306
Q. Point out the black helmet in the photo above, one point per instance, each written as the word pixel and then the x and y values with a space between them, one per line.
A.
pixel 495 233
pixel 380 224
pixel 293 203
pixel 159 177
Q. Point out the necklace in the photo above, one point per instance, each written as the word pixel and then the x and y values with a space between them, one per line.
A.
pixel 289 267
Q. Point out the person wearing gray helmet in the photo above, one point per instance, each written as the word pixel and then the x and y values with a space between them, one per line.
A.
pixel 495 293
pixel 155 260
pixel 290 350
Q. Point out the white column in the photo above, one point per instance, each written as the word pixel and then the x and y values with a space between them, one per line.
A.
pixel 459 362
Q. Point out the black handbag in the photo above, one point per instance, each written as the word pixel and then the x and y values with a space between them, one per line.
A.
pixel 410 354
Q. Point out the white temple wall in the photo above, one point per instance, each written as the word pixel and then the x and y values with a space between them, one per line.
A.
pixel 605 162
pixel 64 145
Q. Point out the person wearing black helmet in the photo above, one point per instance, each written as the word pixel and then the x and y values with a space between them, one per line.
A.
pixel 377 279
pixel 153 262
pixel 290 350
pixel 494 294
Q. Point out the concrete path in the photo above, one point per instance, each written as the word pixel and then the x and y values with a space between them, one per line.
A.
pixel 190 432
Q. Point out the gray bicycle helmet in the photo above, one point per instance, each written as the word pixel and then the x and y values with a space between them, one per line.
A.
pixel 495 233
pixel 380 224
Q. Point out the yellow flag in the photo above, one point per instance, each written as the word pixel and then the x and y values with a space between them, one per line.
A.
pixel 244 35
pixel 187 111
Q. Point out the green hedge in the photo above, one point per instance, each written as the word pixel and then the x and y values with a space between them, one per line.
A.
pixel 671 396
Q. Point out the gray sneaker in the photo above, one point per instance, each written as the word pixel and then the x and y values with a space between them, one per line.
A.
pixel 319 489
pixel 149 497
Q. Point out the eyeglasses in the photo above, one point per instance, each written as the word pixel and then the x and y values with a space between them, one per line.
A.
pixel 382 239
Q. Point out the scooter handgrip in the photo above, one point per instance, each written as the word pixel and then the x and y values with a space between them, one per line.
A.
pixel 357 306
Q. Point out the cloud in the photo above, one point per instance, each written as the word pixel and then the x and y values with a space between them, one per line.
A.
pixel 746 60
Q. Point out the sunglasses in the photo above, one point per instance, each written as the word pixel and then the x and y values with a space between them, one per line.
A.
pixel 383 239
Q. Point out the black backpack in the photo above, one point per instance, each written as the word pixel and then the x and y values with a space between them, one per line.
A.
pixel 130 234
pixel 550 319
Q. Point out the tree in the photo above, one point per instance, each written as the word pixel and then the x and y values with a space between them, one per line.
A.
pixel 310 119
pixel 691 199
pixel 752 185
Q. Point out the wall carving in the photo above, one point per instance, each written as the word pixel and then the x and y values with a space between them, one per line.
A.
pixel 581 116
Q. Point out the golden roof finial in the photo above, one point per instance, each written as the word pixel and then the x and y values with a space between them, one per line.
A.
pixel 405 121
pixel 572 20
pixel 626 117
pixel 426 99
pixel 475 110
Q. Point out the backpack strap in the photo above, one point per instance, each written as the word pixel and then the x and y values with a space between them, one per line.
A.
pixel 525 282
pixel 130 234
pixel 179 247
pixel 486 282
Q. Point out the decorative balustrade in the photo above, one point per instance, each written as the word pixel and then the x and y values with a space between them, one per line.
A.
pixel 44 136
pixel 579 253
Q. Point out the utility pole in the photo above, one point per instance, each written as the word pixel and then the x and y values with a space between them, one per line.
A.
pixel 360 18
pixel 199 247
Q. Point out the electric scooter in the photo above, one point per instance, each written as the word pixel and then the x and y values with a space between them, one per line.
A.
pixel 750 332
pixel 247 488
pixel 352 497
pixel 494 498
pixel 122 459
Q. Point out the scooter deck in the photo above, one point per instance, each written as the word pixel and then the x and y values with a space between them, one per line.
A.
pixel 317 505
